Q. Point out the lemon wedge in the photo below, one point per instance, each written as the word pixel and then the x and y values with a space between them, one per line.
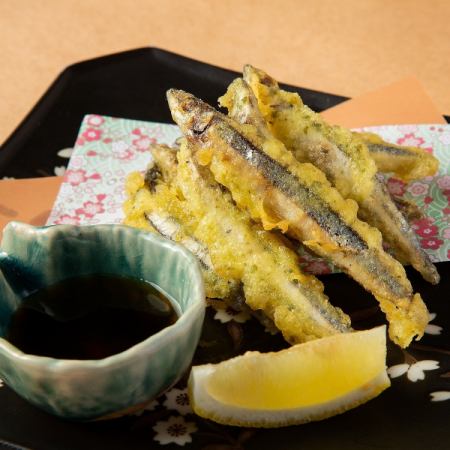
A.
pixel 306 382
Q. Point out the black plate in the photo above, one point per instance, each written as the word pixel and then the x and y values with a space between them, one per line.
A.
pixel 132 85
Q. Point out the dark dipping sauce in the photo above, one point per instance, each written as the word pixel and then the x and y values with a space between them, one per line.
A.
pixel 89 317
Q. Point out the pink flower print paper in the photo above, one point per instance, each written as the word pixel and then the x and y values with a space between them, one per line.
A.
pixel 430 194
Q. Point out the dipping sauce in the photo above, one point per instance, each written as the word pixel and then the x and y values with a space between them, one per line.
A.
pixel 89 317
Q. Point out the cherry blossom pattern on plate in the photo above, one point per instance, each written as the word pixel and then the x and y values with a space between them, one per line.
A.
pixel 415 371
pixel 178 400
pixel 175 430
pixel 59 171
pixel 227 314
pixel 431 327
pixel 440 396
pixel 65 152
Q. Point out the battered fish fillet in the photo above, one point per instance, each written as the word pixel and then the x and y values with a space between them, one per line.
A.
pixel 266 180
pixel 154 206
pixel 407 163
pixel 239 250
pixel 345 160
pixel 154 212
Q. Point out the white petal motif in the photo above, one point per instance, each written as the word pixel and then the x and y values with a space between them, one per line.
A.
pixel 440 396
pixel 8 178
pixel 59 171
pixel 175 430
pixel 433 329
pixel 397 370
pixel 225 315
pixel 1 382
pixel 416 370
pixel 427 364
pixel 415 373
pixel 65 152
pixel 178 400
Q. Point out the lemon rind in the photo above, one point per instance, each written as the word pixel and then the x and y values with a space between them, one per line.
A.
pixel 206 405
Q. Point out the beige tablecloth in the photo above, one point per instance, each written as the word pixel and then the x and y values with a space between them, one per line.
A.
pixel 347 47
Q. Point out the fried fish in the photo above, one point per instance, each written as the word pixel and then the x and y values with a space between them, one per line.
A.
pixel 237 249
pixel 407 163
pixel 154 206
pixel 345 160
pixel 266 180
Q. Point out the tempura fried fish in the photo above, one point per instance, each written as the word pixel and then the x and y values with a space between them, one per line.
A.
pixel 407 163
pixel 237 250
pixel 265 179
pixel 154 206
pixel 345 160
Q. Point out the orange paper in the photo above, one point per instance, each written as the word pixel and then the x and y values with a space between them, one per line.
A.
pixel 28 200
pixel 403 102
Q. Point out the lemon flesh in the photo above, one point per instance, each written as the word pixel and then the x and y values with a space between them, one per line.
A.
pixel 306 382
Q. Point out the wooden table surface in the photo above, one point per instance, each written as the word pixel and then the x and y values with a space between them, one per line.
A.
pixel 346 47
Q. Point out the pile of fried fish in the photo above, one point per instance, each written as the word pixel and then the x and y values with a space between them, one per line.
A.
pixel 241 190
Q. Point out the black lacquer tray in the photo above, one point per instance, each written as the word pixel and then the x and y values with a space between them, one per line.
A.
pixel 132 85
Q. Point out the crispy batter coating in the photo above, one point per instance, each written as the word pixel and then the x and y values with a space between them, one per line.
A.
pixel 345 160
pixel 406 163
pixel 156 207
pixel 266 180
pixel 240 250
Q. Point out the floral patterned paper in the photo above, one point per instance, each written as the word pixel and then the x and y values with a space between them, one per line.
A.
pixel 431 194
pixel 108 149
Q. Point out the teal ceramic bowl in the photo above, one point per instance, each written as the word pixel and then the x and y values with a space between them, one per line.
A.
pixel 32 258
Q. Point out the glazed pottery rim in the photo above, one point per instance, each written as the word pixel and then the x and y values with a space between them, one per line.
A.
pixel 153 343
